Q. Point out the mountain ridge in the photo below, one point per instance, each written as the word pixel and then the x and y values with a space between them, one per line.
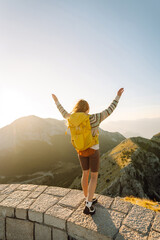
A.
pixel 130 168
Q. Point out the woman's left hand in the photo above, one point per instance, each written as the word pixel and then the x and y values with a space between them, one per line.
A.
pixel 54 97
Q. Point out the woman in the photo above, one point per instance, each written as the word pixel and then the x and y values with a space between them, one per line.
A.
pixel 90 158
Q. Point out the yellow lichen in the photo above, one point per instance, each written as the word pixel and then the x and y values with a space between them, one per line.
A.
pixel 144 203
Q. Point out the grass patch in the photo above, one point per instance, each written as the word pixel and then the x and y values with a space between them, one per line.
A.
pixel 144 203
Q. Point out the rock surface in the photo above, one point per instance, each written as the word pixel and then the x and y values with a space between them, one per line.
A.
pixel 140 177
pixel 131 168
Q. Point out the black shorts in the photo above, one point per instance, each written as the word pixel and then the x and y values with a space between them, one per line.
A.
pixel 92 162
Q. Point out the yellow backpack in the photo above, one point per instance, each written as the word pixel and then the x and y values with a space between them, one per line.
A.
pixel 80 128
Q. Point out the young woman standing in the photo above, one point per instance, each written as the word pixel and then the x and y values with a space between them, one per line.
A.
pixel 90 158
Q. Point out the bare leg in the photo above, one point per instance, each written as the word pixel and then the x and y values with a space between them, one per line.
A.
pixel 84 182
pixel 92 185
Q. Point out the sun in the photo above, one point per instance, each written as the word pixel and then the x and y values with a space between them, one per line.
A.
pixel 13 105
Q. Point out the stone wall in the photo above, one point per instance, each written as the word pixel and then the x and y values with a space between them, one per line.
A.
pixel 38 212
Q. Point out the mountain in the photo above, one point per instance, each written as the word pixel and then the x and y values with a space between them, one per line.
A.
pixel 156 137
pixel 133 128
pixel 30 128
pixel 36 150
pixel 130 168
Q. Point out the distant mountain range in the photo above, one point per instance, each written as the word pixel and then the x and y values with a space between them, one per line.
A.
pixel 132 168
pixel 36 150
pixel 133 128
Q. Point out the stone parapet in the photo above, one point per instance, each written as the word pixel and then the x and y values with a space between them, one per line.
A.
pixel 33 212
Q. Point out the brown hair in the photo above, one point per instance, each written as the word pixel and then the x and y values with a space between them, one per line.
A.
pixel 81 106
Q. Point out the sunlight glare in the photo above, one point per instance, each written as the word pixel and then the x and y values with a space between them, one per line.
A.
pixel 14 104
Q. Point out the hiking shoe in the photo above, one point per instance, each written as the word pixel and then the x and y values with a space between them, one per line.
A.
pixel 94 200
pixel 89 210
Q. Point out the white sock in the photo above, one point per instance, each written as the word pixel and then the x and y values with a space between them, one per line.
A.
pixel 88 204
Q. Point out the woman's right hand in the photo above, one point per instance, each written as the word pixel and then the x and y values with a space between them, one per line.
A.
pixel 54 97
pixel 120 91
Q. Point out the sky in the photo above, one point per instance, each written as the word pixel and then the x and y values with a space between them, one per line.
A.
pixel 79 49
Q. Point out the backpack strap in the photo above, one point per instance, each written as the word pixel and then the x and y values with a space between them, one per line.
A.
pixel 66 130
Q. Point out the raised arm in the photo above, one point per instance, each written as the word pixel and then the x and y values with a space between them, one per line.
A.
pixel 64 113
pixel 97 118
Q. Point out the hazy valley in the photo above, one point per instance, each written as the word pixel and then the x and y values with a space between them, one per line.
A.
pixel 36 150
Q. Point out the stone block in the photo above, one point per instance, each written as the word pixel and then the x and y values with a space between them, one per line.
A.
pixel 34 194
pixel 139 219
pixel 3 186
pixel 57 191
pixel 56 216
pixel 27 187
pixel 6 211
pixel 79 238
pixel 10 188
pixel 73 199
pixel 104 224
pixel 2 228
pixel 14 198
pixel 42 232
pixel 3 196
pixel 59 234
pixel 17 229
pixel 35 216
pixel 41 188
pixel 128 233
pixel 156 223
pixel 21 209
pixel 154 235
pixel 121 205
pixel 105 201
pixel 40 205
